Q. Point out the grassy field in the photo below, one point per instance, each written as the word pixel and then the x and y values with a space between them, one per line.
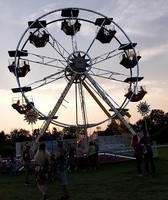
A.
pixel 114 181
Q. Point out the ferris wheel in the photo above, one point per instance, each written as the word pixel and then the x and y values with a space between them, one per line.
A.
pixel 76 64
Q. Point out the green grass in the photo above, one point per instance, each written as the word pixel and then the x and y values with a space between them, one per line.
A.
pixel 115 181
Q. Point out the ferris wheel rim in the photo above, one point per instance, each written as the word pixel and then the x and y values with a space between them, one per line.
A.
pixel 40 113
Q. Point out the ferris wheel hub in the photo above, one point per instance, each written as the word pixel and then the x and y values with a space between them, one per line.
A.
pixel 79 62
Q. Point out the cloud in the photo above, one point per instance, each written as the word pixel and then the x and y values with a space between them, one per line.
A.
pixel 154 51
pixel 155 82
pixel 6 96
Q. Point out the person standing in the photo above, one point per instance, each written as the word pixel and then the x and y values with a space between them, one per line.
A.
pixel 27 162
pixel 71 156
pixel 42 164
pixel 97 154
pixel 92 152
pixel 81 160
pixel 148 154
pixel 61 169
pixel 138 153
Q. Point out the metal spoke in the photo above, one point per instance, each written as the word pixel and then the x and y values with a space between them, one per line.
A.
pixel 45 60
pixel 105 56
pixel 83 105
pixel 47 80
pixel 106 74
pixel 106 99
pixel 57 105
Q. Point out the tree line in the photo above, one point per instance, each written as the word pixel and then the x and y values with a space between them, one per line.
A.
pixel 156 124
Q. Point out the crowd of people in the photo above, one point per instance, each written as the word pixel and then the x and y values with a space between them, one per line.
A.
pixel 70 157
pixel 49 167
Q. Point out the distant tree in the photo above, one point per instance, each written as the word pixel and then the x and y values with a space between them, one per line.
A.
pixel 98 128
pixel 68 133
pixel 161 136
pixel 8 140
pixel 103 133
pixel 20 136
pixel 156 124
pixel 3 137
pixel 6 148
pixel 117 127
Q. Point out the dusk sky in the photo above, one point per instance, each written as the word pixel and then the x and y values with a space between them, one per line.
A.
pixel 145 22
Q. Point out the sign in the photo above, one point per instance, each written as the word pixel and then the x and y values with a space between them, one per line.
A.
pixel 31 117
pixel 143 108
